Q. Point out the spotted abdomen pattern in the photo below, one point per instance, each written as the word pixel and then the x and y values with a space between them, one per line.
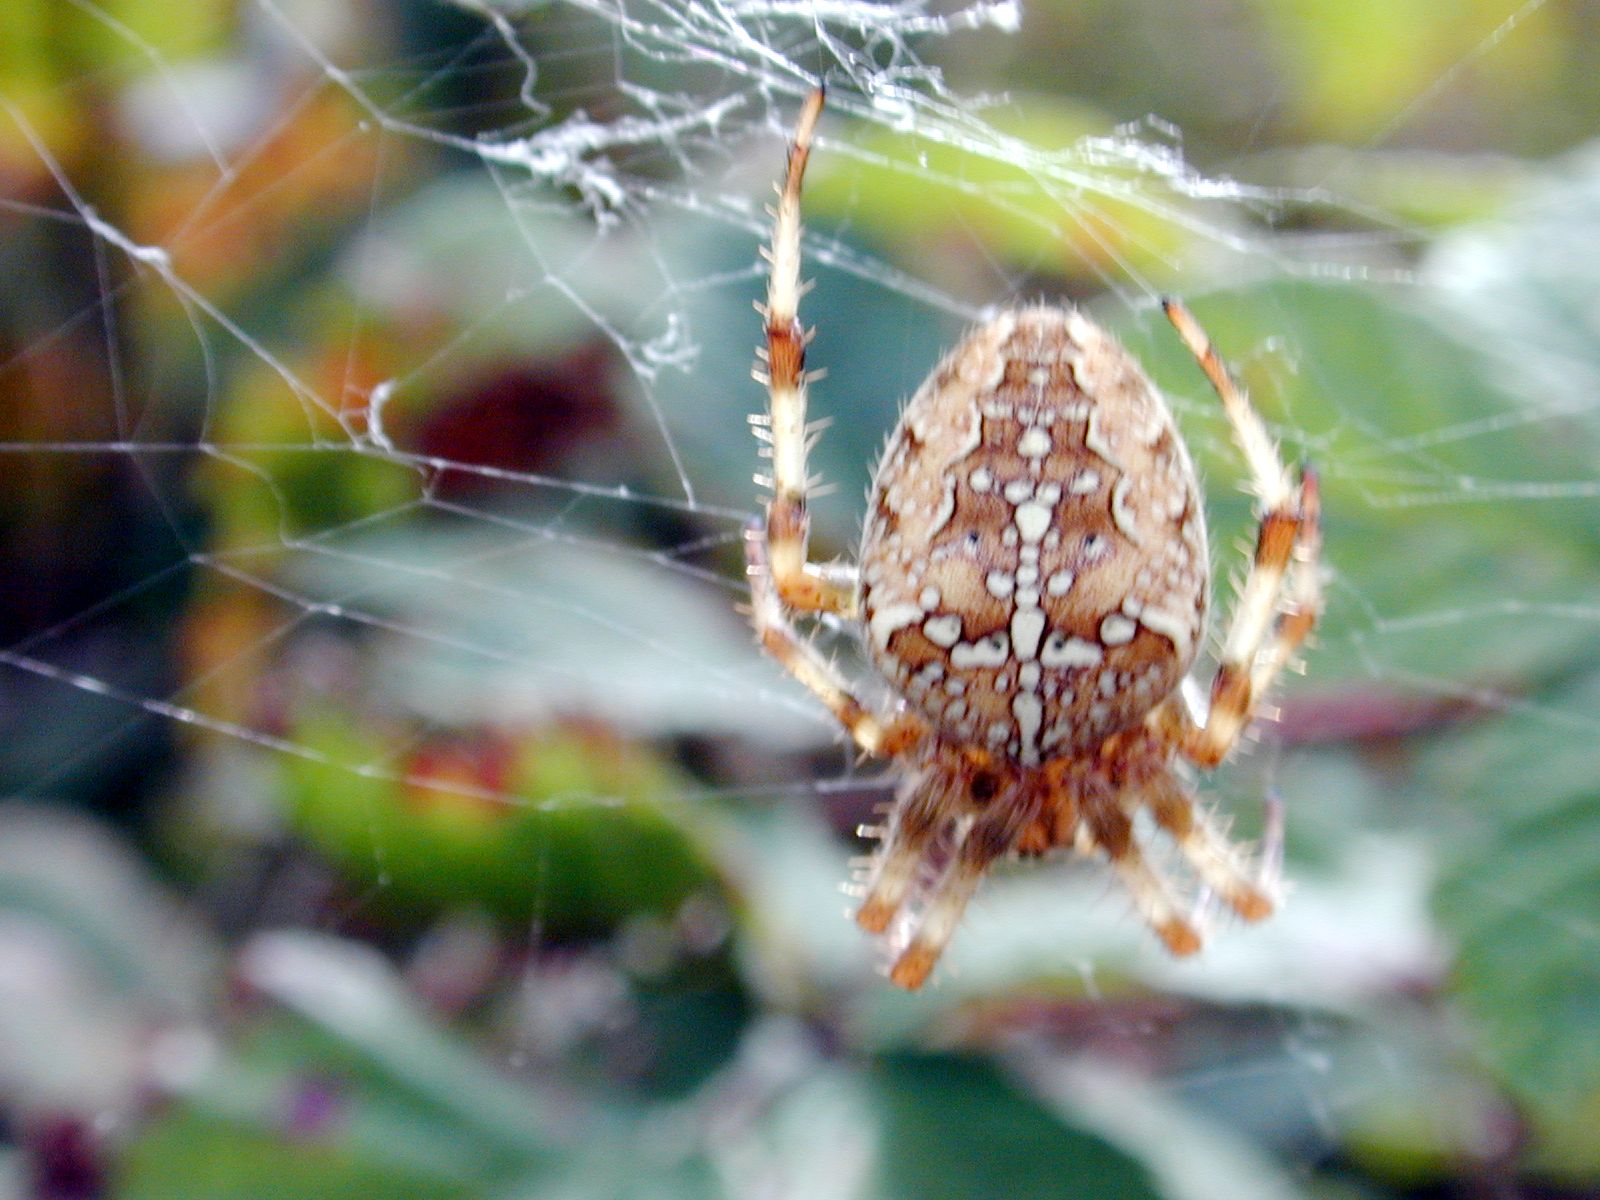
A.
pixel 1034 568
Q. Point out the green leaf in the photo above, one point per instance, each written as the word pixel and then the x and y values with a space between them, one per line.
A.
pixel 958 1129
pixel 1359 66
pixel 346 1088
pixel 1523 290
pixel 1413 188
pixel 202 1157
pixel 350 993
pixel 1190 1156
pixel 96 962
pixel 511 624
pixel 1518 815
pixel 1042 184
pixel 573 827
pixel 1520 896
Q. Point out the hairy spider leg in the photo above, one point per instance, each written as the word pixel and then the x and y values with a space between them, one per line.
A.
pixel 1214 858
pixel 1112 831
pixel 923 808
pixel 1287 535
pixel 800 583
pixel 1303 599
pixel 980 842
pixel 876 733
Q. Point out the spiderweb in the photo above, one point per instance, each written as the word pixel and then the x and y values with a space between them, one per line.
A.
pixel 299 362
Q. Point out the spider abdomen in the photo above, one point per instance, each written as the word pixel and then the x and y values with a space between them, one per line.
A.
pixel 1034 567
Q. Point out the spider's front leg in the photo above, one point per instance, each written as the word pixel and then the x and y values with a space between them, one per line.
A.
pixel 803 585
pixel 877 733
pixel 1272 617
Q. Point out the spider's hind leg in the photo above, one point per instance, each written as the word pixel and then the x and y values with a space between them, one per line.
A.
pixel 1111 830
pixel 1217 861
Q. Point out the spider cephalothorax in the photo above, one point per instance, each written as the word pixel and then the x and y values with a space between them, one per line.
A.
pixel 1033 586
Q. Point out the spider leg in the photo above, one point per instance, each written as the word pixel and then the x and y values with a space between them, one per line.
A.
pixel 801 584
pixel 1302 603
pixel 924 806
pixel 1271 619
pixel 1112 831
pixel 983 840
pixel 875 733
pixel 1215 859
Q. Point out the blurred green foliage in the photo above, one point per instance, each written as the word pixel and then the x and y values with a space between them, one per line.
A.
pixel 488 859
pixel 596 831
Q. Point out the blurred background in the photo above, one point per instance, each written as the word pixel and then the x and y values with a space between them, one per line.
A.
pixel 395 803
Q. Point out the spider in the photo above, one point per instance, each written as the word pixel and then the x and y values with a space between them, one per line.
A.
pixel 1033 586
